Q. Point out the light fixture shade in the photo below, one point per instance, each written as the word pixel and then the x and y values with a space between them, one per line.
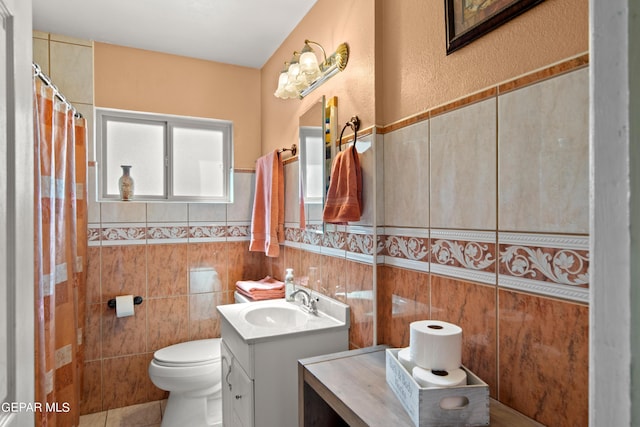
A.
pixel 290 91
pixel 282 79
pixel 309 65
pixel 303 73
pixel 282 83
pixel 294 81
pixel 294 71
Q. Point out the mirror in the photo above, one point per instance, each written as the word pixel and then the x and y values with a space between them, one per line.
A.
pixel 316 149
pixel 311 131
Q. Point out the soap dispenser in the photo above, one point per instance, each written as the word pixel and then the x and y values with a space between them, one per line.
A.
pixel 289 286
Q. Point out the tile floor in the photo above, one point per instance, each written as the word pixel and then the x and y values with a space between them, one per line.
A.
pixel 142 415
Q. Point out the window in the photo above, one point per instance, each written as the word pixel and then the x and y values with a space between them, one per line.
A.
pixel 172 158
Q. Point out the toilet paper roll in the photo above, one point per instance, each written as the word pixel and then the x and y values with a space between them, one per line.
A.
pixel 404 357
pixel 124 306
pixel 453 378
pixel 439 378
pixel 435 345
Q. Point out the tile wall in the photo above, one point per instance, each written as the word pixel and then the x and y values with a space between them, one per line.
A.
pixel 486 226
pixel 481 211
pixel 184 260
pixel 341 258
pixel 69 63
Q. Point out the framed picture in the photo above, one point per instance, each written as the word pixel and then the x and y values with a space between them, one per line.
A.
pixel 466 20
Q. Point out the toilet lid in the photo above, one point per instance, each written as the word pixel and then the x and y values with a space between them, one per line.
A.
pixel 190 352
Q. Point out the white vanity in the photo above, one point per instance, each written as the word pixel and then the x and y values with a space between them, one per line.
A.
pixel 261 344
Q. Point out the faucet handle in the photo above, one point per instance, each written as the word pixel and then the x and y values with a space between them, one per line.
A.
pixel 313 307
pixel 305 296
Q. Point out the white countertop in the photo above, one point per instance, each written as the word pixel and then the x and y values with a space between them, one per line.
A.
pixel 235 315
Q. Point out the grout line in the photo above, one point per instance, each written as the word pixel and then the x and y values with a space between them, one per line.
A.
pixel 497 246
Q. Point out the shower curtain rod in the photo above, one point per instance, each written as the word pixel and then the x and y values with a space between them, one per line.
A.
pixel 37 72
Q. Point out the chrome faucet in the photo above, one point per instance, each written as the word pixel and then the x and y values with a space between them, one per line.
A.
pixel 309 303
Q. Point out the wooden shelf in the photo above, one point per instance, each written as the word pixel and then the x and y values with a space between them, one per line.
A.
pixel 350 389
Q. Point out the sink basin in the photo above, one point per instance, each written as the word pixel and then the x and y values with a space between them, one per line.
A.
pixel 268 319
pixel 276 316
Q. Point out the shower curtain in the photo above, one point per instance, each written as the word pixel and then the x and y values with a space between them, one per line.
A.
pixel 60 257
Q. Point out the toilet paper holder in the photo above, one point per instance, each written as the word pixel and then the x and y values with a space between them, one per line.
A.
pixel 136 300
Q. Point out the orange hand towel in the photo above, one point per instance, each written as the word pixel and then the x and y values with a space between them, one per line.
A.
pixel 263 295
pixel 267 222
pixel 344 197
pixel 266 284
pixel 267 288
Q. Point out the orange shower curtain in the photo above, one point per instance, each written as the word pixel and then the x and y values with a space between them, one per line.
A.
pixel 60 257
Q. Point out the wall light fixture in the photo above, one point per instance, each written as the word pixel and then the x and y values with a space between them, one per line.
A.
pixel 303 73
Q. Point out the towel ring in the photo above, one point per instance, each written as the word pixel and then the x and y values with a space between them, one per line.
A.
pixel 354 124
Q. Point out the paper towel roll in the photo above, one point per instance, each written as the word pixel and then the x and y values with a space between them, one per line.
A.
pixel 436 345
pixel 124 306
pixel 404 357
pixel 431 378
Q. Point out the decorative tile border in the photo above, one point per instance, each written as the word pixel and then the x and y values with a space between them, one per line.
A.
pixel 207 232
pixel 352 242
pixel 238 232
pixel 161 233
pixel 123 234
pixel 552 265
pixel 311 237
pixel 549 265
pixel 167 233
pixel 360 241
pixel 469 255
pixel 404 247
pixel 335 240
pixel 93 234
pixel 462 254
pixel 410 243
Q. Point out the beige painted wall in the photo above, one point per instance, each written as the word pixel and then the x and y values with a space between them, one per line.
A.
pixel 140 80
pixel 397 68
pixel 398 65
pixel 418 75
pixel 329 22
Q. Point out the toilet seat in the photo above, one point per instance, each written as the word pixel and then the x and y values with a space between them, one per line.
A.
pixel 190 353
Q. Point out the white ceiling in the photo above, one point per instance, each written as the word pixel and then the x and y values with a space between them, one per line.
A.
pixel 241 32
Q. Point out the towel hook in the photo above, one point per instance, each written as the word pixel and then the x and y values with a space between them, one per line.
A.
pixel 354 124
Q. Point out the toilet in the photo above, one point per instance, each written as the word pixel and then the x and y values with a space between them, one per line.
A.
pixel 190 372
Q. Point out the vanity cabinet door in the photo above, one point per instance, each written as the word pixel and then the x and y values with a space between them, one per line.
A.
pixel 237 392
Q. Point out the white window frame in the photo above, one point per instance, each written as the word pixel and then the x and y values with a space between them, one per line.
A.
pixel 104 115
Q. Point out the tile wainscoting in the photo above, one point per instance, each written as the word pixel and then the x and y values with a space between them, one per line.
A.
pixel 480 220
pixel 184 260
pixel 485 225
